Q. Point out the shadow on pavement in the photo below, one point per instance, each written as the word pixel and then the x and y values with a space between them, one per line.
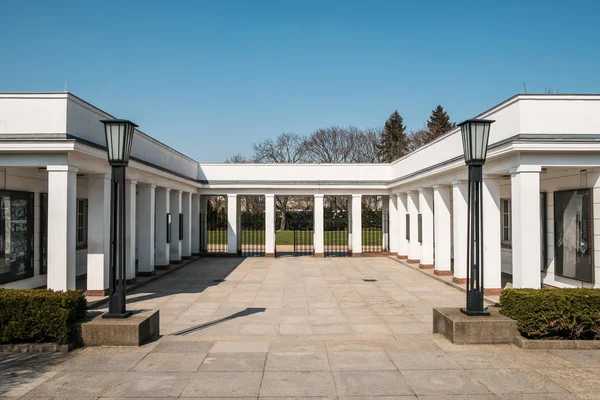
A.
pixel 247 311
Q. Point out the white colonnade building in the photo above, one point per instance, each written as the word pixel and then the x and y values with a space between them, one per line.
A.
pixel 541 197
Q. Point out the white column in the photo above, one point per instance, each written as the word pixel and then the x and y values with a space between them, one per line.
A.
pixel 492 251
pixel 402 213
pixel 175 240
pixel 98 252
pixel 195 221
pixel 526 251
pixel 203 227
pixel 130 229
pixel 232 229
pixel 186 243
pixel 414 247
pixel 426 211
pixel 356 224
pixel 459 225
pixel 394 229
pixel 319 229
pixel 385 234
pixel 269 225
pixel 163 208
pixel 441 215
pixel 147 196
pixel 62 204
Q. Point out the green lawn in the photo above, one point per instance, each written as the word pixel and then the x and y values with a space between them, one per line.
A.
pixel 369 238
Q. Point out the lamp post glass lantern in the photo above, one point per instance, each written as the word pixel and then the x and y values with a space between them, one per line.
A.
pixel 119 137
pixel 475 136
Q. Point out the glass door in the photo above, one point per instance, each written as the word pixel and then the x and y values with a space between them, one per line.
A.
pixel 16 236
pixel 573 234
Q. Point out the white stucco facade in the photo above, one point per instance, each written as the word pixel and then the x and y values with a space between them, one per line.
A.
pixel 542 149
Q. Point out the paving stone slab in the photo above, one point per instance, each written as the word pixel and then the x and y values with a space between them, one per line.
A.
pixel 371 383
pixel 232 362
pixel 297 384
pixel 223 384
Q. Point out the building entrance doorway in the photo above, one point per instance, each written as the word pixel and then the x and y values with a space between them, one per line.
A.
pixel 336 225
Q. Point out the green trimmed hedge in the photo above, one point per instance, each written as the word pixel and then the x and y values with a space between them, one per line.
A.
pixel 40 316
pixel 554 313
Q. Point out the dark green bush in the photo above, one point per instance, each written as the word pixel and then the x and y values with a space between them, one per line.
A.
pixel 37 316
pixel 554 313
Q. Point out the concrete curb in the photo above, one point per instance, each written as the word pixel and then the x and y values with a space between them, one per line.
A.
pixel 541 344
pixel 172 268
pixel 439 278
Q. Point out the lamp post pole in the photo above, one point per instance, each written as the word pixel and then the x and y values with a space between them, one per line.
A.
pixel 475 135
pixel 119 137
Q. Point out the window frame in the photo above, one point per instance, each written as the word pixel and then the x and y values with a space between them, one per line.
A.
pixel 83 227
pixel 506 240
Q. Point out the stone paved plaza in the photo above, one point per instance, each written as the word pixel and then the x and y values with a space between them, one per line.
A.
pixel 293 328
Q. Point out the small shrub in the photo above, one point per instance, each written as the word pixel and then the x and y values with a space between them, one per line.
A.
pixel 37 316
pixel 554 313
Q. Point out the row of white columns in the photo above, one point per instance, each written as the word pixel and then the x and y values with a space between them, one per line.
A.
pixel 438 245
pixel 153 247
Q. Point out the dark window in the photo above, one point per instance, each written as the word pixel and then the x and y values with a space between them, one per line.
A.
pixel 573 239
pixel 16 236
pixel 506 222
pixel 82 223
pixel 169 228
pixel 181 227
pixel 420 227
pixel 43 233
pixel 407 226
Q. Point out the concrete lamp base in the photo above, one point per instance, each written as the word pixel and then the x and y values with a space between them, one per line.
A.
pixel 463 329
pixel 132 331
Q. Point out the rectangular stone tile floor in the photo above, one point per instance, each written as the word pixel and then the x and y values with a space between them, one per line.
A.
pixel 299 328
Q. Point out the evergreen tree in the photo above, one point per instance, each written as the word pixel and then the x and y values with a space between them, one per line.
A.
pixel 394 142
pixel 438 124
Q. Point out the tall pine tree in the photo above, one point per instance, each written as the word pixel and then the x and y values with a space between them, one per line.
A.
pixel 438 124
pixel 394 142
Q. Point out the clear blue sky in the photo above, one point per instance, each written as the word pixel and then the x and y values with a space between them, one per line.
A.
pixel 211 78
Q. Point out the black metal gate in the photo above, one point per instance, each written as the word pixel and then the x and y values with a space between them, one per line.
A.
pixel 298 236
pixel 335 235
pixel 375 231
pixel 252 234
pixel 213 231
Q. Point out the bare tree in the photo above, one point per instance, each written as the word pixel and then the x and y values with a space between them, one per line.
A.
pixel 238 159
pixel 417 139
pixel 286 148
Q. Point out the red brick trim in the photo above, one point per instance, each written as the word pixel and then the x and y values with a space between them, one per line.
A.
pixel 146 273
pixel 439 272
pixel 176 262
pixel 319 255
pixel 415 261
pixel 162 267
pixel 402 257
pixel 426 266
pixel 101 292
pixel 460 281
pixel 491 292
pixel 381 254
pixel 270 255
pixel 356 254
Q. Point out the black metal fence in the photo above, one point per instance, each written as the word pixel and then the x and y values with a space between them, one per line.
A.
pixel 252 234
pixel 375 231
pixel 335 235
pixel 213 231
pixel 298 237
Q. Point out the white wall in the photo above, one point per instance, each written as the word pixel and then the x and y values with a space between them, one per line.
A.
pixel 32 115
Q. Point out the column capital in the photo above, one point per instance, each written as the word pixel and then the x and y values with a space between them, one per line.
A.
pixel 456 182
pixel 231 195
pixel 357 196
pixel 61 168
pixel 269 195
pixel 131 181
pixel 425 189
pixel 150 185
pixel 525 168
pixel 99 176
pixel 441 186
pixel 412 192
pixel 319 195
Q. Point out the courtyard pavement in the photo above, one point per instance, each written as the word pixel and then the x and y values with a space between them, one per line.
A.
pixel 296 328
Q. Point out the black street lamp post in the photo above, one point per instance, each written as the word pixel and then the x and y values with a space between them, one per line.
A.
pixel 119 137
pixel 475 135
